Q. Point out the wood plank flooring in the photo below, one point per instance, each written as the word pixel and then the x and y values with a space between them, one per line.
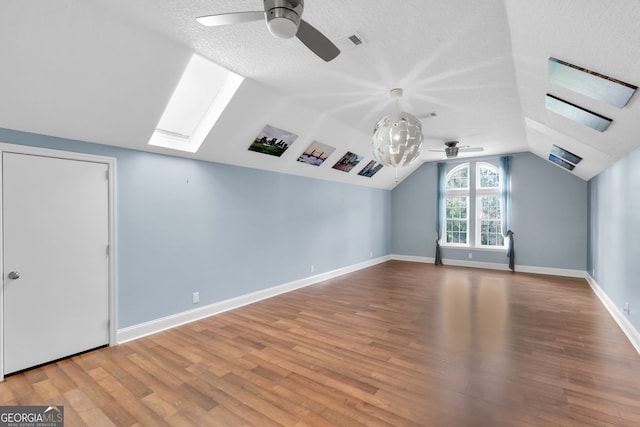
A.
pixel 397 344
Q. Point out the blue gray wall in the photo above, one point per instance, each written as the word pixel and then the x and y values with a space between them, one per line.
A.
pixel 614 233
pixel 549 216
pixel 225 231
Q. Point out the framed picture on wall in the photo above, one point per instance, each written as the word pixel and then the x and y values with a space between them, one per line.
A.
pixel 273 141
pixel 347 162
pixel 371 169
pixel 316 153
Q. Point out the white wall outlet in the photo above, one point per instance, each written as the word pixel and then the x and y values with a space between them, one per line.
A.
pixel 196 297
pixel 370 254
pixel 470 255
pixel 312 268
pixel 626 308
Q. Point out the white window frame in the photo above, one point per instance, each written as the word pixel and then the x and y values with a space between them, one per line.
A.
pixel 483 192
pixel 473 194
pixel 458 192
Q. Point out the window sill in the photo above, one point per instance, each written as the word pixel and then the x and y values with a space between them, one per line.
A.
pixel 475 248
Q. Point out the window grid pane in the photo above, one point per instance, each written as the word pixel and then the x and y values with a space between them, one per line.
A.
pixel 490 221
pixel 460 179
pixel 456 220
pixel 489 177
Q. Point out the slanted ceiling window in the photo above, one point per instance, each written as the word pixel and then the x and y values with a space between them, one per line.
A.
pixel 589 83
pixel 564 158
pixel 202 94
pixel 576 113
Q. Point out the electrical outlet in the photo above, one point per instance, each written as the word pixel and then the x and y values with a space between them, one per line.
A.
pixel 312 268
pixel 626 308
pixel 196 297
pixel 470 255
pixel 370 254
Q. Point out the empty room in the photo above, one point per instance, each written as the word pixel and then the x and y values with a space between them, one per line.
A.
pixel 320 213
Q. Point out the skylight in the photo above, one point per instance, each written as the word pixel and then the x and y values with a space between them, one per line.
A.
pixel 564 158
pixel 576 113
pixel 589 83
pixel 202 94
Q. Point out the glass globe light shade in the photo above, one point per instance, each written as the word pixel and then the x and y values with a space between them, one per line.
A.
pixel 283 27
pixel 397 139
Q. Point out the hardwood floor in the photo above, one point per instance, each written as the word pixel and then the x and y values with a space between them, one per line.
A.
pixel 397 344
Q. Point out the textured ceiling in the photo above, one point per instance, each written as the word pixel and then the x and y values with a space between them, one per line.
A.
pixel 102 71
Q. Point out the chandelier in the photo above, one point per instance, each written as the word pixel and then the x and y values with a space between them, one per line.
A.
pixel 397 137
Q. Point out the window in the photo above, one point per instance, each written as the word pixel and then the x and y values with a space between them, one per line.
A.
pixel 202 94
pixel 457 206
pixel 457 219
pixel 489 217
pixel 473 191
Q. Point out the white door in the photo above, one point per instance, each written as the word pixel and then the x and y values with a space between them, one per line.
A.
pixel 56 233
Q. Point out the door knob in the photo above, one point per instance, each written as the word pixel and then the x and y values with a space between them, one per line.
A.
pixel 14 275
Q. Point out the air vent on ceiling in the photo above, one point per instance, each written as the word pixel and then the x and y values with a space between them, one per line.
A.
pixel 349 42
pixel 355 39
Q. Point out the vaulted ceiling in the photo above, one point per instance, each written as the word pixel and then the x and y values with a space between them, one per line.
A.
pixel 103 72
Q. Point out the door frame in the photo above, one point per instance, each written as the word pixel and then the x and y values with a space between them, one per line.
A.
pixel 110 162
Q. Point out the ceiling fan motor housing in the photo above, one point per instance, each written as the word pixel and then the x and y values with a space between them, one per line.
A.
pixel 283 17
pixel 451 149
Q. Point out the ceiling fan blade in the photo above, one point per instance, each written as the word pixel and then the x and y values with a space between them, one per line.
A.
pixel 230 18
pixel 471 149
pixel 316 41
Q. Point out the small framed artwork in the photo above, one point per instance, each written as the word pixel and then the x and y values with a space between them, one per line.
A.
pixel 347 162
pixel 371 169
pixel 273 141
pixel 316 153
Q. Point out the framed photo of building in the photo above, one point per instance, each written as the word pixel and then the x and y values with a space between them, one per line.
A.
pixel 273 141
pixel 371 169
pixel 347 162
pixel 316 153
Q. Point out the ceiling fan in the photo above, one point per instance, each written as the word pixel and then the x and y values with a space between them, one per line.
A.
pixel 452 149
pixel 284 20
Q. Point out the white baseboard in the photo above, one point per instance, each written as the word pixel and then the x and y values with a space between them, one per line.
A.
pixel 495 266
pixel 148 328
pixel 552 271
pixel 623 321
pixel 411 258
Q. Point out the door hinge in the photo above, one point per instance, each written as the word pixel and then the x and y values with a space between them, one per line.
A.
pixel 107 175
pixel 108 250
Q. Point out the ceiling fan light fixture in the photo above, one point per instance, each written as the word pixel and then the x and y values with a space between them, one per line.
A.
pixel 451 152
pixel 451 149
pixel 283 19
pixel 397 137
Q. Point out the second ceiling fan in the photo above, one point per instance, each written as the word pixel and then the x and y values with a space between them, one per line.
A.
pixel 284 20
pixel 452 149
